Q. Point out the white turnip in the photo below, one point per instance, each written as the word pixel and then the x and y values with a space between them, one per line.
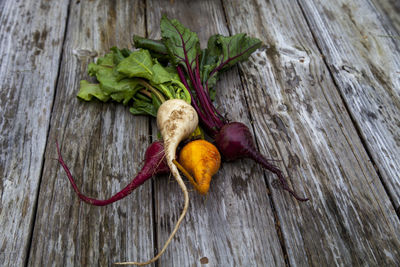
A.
pixel 176 120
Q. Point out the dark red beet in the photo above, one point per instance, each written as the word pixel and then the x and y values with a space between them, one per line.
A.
pixel 235 141
pixel 154 163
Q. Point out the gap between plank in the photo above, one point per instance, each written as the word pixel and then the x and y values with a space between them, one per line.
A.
pixel 35 205
pixel 277 223
pixel 152 181
pixel 271 201
pixel 353 120
pixel 153 205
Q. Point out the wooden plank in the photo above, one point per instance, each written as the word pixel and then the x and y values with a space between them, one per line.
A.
pixel 366 68
pixel 390 10
pixel 234 224
pixel 31 35
pixel 298 116
pixel 103 145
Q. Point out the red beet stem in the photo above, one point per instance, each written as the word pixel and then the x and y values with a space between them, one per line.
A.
pixel 235 141
pixel 259 158
pixel 154 164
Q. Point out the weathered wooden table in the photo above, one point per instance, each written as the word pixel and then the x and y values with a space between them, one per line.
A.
pixel 322 95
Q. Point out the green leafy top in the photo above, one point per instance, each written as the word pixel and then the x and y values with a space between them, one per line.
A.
pixel 133 77
pixel 174 67
pixel 182 45
pixel 199 69
pixel 183 49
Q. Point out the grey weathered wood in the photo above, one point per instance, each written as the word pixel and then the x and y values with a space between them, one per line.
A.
pixel 298 116
pixel 365 64
pixel 31 34
pixel 234 224
pixel 103 144
pixel 390 16
pixel 295 107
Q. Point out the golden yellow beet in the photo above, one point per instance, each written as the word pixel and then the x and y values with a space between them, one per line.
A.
pixel 201 160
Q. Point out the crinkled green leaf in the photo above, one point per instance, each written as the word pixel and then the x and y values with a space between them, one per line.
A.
pixel 167 81
pixel 122 74
pixel 222 53
pixel 125 90
pixel 236 48
pixel 182 44
pixel 104 68
pixel 108 79
pixel 139 64
pixel 112 84
pixel 172 72
pixel 209 82
pixel 119 54
pixel 212 54
pixel 106 62
pixel 143 108
pixel 89 90
pixel 161 74
pixel 209 61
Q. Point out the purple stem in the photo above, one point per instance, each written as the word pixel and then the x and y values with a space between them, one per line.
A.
pixel 257 157
pixel 145 173
pixel 205 105
pixel 222 119
pixel 203 118
pixel 204 99
pixel 186 60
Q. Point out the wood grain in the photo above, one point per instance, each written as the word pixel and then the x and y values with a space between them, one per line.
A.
pixel 389 11
pixel 366 68
pixel 321 95
pixel 30 48
pixel 103 145
pixel 234 224
pixel 300 118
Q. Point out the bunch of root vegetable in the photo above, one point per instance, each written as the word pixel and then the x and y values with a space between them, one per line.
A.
pixel 173 79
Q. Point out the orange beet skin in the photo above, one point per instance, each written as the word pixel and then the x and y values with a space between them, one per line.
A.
pixel 201 160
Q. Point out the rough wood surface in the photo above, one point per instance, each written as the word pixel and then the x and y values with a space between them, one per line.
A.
pixel 364 59
pixel 321 95
pixel 390 10
pixel 103 145
pixel 299 117
pixel 31 35
pixel 234 224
